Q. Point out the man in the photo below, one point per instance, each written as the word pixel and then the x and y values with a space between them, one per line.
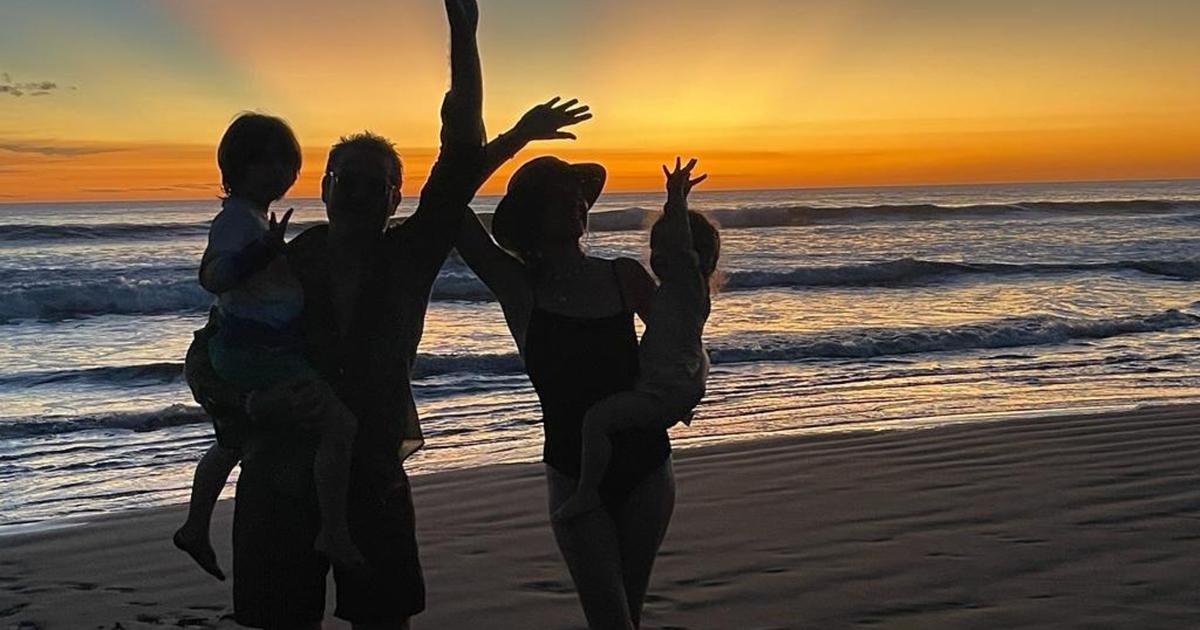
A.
pixel 366 287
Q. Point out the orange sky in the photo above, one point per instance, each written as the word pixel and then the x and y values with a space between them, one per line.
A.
pixel 769 93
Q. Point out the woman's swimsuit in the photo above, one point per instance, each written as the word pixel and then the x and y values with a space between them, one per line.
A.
pixel 574 362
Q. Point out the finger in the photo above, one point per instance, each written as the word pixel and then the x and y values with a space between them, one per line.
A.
pixel 698 180
pixel 578 119
pixel 690 165
pixel 666 172
pixel 577 111
pixel 567 105
pixel 563 135
pixel 551 102
pixel 271 220
pixel 287 216
pixel 677 164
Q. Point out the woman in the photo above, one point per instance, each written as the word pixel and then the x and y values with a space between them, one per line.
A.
pixel 571 316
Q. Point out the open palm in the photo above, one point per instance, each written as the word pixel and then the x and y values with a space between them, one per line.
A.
pixel 546 121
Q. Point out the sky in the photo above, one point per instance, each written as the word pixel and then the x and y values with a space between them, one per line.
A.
pixel 127 99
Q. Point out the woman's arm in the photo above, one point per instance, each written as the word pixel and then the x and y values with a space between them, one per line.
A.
pixel 543 122
pixel 505 276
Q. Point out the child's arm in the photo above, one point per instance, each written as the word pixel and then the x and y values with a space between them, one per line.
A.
pixel 675 235
pixel 229 258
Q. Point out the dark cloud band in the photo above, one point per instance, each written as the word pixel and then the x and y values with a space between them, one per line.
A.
pixel 31 88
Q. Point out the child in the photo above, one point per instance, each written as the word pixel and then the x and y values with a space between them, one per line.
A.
pixel 673 365
pixel 257 346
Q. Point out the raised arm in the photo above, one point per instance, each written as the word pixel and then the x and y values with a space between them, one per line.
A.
pixel 544 122
pixel 462 110
pixel 429 234
pixel 503 274
pixel 676 232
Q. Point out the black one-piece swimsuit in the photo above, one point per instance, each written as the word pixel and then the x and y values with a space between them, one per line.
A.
pixel 574 362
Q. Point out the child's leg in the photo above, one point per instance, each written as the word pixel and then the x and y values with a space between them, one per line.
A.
pixel 337 427
pixel 618 412
pixel 207 483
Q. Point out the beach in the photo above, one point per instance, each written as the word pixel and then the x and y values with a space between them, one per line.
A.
pixel 1076 521
pixel 850 308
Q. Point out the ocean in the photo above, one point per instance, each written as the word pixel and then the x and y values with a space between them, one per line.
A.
pixel 842 309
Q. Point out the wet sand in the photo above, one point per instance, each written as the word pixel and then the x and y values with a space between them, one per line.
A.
pixel 1086 521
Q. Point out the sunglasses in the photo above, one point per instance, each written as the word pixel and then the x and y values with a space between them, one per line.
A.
pixel 359 186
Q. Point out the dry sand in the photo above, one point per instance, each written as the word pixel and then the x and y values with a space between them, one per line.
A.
pixel 1066 522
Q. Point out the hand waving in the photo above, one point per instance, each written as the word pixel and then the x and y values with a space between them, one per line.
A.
pixel 276 230
pixel 545 121
pixel 679 181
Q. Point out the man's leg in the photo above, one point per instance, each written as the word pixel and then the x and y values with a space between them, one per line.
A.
pixel 278 579
pixel 383 524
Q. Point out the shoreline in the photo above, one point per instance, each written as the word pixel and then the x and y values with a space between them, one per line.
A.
pixel 678 445
pixel 1090 520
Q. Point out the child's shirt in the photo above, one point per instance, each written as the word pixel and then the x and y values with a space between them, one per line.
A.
pixel 671 352
pixel 249 290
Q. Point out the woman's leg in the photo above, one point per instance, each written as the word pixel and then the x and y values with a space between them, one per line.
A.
pixel 589 545
pixel 641 526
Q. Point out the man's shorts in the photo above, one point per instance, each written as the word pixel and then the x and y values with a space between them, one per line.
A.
pixel 279 580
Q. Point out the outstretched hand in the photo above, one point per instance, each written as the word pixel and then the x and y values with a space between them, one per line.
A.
pixel 546 121
pixel 463 13
pixel 679 181
pixel 277 229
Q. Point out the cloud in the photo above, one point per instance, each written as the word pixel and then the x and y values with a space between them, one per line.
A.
pixel 52 149
pixel 166 188
pixel 32 88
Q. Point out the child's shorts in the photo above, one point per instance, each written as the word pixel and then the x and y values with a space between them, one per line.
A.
pixel 250 367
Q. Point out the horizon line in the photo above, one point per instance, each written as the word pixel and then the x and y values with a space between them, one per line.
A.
pixel 14 202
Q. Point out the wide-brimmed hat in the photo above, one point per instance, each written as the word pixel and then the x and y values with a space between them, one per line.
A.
pixel 520 209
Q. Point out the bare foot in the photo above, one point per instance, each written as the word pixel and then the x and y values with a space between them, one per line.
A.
pixel 200 549
pixel 341 552
pixel 577 505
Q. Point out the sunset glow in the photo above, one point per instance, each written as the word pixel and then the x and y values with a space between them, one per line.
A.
pixel 771 93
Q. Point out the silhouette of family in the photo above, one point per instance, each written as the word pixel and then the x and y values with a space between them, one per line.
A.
pixel 305 363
